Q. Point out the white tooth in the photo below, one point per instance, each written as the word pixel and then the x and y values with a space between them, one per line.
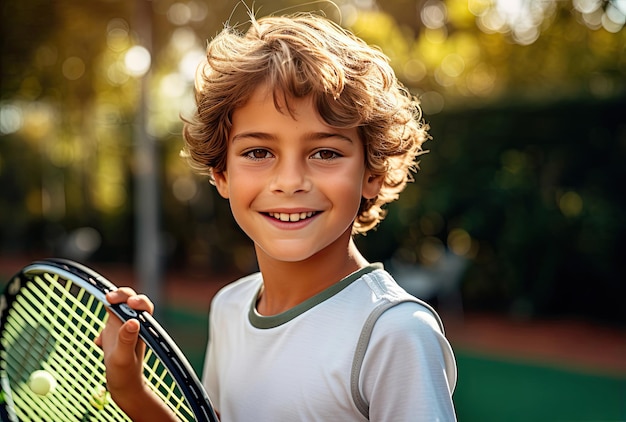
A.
pixel 283 216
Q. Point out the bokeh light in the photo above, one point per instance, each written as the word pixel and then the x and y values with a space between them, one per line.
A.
pixel 11 119
pixel 137 61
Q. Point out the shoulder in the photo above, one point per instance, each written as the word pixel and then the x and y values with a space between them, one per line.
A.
pixel 399 316
pixel 400 321
pixel 410 327
pixel 409 316
pixel 408 331
pixel 393 305
pixel 402 340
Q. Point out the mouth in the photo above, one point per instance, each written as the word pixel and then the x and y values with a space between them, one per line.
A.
pixel 292 217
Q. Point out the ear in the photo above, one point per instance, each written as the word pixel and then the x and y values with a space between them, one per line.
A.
pixel 371 185
pixel 220 180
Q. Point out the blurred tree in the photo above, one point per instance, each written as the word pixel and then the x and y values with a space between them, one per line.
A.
pixel 69 100
pixel 458 52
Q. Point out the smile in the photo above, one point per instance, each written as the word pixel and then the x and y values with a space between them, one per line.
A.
pixel 292 217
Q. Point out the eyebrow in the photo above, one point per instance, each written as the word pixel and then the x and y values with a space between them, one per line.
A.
pixel 312 136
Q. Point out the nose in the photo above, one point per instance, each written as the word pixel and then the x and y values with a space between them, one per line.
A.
pixel 290 176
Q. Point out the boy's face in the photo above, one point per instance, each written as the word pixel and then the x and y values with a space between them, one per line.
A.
pixel 294 183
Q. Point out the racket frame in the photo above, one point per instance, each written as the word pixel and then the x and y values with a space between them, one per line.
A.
pixel 150 331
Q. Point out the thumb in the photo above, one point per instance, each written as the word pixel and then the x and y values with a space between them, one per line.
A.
pixel 128 335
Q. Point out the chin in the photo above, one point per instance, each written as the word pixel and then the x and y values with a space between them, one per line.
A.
pixel 287 253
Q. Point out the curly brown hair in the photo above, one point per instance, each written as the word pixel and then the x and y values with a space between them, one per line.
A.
pixel 351 83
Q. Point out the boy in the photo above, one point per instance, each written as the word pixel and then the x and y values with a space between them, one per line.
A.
pixel 307 132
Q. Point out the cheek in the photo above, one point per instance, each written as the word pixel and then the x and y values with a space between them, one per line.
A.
pixel 345 191
pixel 241 193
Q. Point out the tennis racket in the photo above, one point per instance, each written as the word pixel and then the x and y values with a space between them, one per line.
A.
pixel 51 370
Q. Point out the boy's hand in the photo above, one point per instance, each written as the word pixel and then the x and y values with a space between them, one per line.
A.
pixel 123 351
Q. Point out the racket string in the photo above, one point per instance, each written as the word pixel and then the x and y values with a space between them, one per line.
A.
pixel 43 304
pixel 61 321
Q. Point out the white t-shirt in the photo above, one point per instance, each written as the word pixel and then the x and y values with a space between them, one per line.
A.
pixel 297 366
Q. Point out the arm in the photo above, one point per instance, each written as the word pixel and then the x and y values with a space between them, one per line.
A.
pixel 123 359
pixel 409 372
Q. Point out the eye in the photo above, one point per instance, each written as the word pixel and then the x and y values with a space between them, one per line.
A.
pixel 257 154
pixel 325 154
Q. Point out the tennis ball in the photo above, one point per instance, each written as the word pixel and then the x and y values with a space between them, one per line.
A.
pixel 42 382
pixel 99 398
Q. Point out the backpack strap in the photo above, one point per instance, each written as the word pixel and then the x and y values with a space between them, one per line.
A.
pixel 366 333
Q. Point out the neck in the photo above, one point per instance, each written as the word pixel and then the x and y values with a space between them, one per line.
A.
pixel 287 284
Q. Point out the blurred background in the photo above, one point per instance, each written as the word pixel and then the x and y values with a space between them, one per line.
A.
pixel 514 228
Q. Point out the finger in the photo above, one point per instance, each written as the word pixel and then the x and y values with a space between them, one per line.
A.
pixel 127 339
pixel 141 303
pixel 111 325
pixel 132 330
pixel 120 295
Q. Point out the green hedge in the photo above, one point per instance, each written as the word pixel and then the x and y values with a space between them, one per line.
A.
pixel 541 191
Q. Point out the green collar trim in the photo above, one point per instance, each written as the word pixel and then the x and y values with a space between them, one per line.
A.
pixel 265 322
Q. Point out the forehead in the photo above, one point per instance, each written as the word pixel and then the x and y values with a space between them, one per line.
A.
pixel 265 95
pixel 270 114
pixel 265 101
